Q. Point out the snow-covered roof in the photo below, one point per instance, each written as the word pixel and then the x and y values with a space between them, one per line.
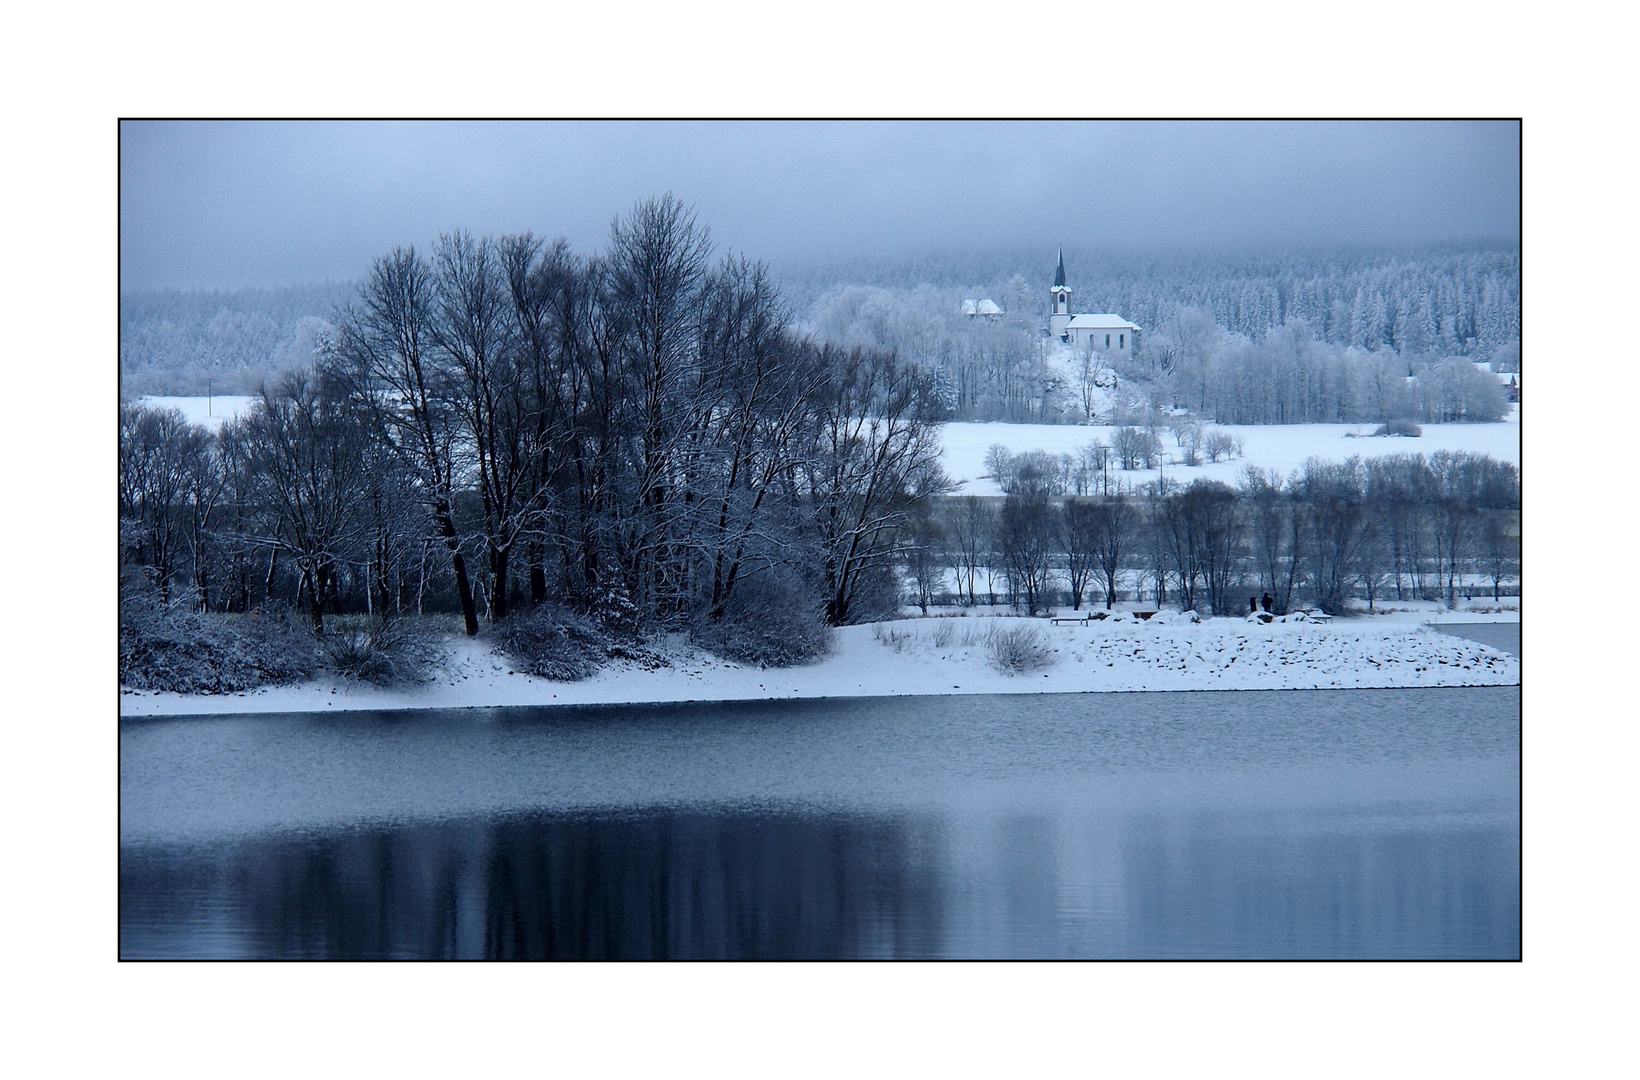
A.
pixel 1100 322
pixel 970 307
pixel 989 307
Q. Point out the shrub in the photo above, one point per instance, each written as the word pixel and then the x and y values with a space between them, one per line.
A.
pixel 1018 650
pixel 185 652
pixel 943 633
pixel 384 653
pixel 892 637
pixel 554 643
pixel 1404 428
pixel 768 622
pixel 281 642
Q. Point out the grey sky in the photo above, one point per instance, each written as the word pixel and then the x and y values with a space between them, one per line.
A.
pixel 226 204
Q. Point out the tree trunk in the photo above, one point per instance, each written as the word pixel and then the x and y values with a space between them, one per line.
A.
pixel 458 565
pixel 538 573
pixel 498 583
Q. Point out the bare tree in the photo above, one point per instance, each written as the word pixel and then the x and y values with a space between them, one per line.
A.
pixel 875 453
pixel 386 342
pixel 1333 497
pixel 1079 526
pixel 969 527
pixel 1026 542
pixel 1114 523
pixel 1274 527
pixel 754 393
pixel 475 332
pixel 164 461
pixel 306 442
pixel 657 265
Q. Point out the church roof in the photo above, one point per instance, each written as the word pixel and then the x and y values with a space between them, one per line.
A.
pixel 1059 274
pixel 1100 322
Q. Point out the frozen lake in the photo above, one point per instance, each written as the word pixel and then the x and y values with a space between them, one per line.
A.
pixel 1366 823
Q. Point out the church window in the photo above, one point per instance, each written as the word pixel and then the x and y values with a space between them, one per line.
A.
pixel 1121 341
pixel 1107 341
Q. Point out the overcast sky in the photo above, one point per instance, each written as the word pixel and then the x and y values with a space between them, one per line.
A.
pixel 248 203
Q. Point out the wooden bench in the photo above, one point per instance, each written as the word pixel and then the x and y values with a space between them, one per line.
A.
pixel 1081 620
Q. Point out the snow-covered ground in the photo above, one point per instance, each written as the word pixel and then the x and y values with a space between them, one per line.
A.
pixel 1282 448
pixel 939 656
pixel 210 412
pixel 1279 447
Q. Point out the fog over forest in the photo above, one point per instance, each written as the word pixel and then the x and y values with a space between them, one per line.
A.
pixel 1344 323
pixel 1328 255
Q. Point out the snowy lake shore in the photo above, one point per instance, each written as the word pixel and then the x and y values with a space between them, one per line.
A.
pixel 934 656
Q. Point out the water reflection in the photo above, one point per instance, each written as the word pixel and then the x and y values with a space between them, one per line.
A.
pixel 1291 824
pixel 668 885
pixel 817 885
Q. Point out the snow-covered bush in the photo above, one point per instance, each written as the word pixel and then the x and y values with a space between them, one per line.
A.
pixel 185 652
pixel 768 622
pixel 612 607
pixel 372 651
pixel 554 643
pixel 1403 428
pixel 1018 650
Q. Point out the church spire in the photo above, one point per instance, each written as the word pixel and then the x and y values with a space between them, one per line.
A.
pixel 1059 274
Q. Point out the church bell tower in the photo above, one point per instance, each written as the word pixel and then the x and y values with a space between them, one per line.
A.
pixel 1059 310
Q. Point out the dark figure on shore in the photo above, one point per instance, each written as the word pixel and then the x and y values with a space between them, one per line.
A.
pixel 1252 605
pixel 1269 602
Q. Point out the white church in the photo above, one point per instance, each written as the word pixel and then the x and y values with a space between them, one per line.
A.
pixel 1109 334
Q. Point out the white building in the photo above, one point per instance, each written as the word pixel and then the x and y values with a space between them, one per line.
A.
pixel 1104 333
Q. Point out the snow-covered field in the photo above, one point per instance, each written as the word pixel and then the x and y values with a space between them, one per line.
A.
pixel 939 656
pixel 210 412
pixel 1282 448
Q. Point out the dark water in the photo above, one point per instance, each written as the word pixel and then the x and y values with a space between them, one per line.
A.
pixel 1505 637
pixel 1287 824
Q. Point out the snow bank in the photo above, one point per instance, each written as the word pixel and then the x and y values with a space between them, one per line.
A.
pixel 937 656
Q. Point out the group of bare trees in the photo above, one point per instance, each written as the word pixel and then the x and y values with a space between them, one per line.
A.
pixel 1402 526
pixel 499 422
pixel 1289 375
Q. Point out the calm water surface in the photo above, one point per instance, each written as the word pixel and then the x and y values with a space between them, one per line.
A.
pixel 1505 637
pixel 1285 824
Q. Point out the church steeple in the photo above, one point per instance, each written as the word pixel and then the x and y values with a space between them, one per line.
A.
pixel 1059 311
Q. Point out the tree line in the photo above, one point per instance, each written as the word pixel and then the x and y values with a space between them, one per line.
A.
pixel 501 422
pixel 1340 336
pixel 1400 527
pixel 1449 299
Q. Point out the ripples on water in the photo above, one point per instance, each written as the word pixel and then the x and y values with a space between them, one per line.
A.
pixel 1292 824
